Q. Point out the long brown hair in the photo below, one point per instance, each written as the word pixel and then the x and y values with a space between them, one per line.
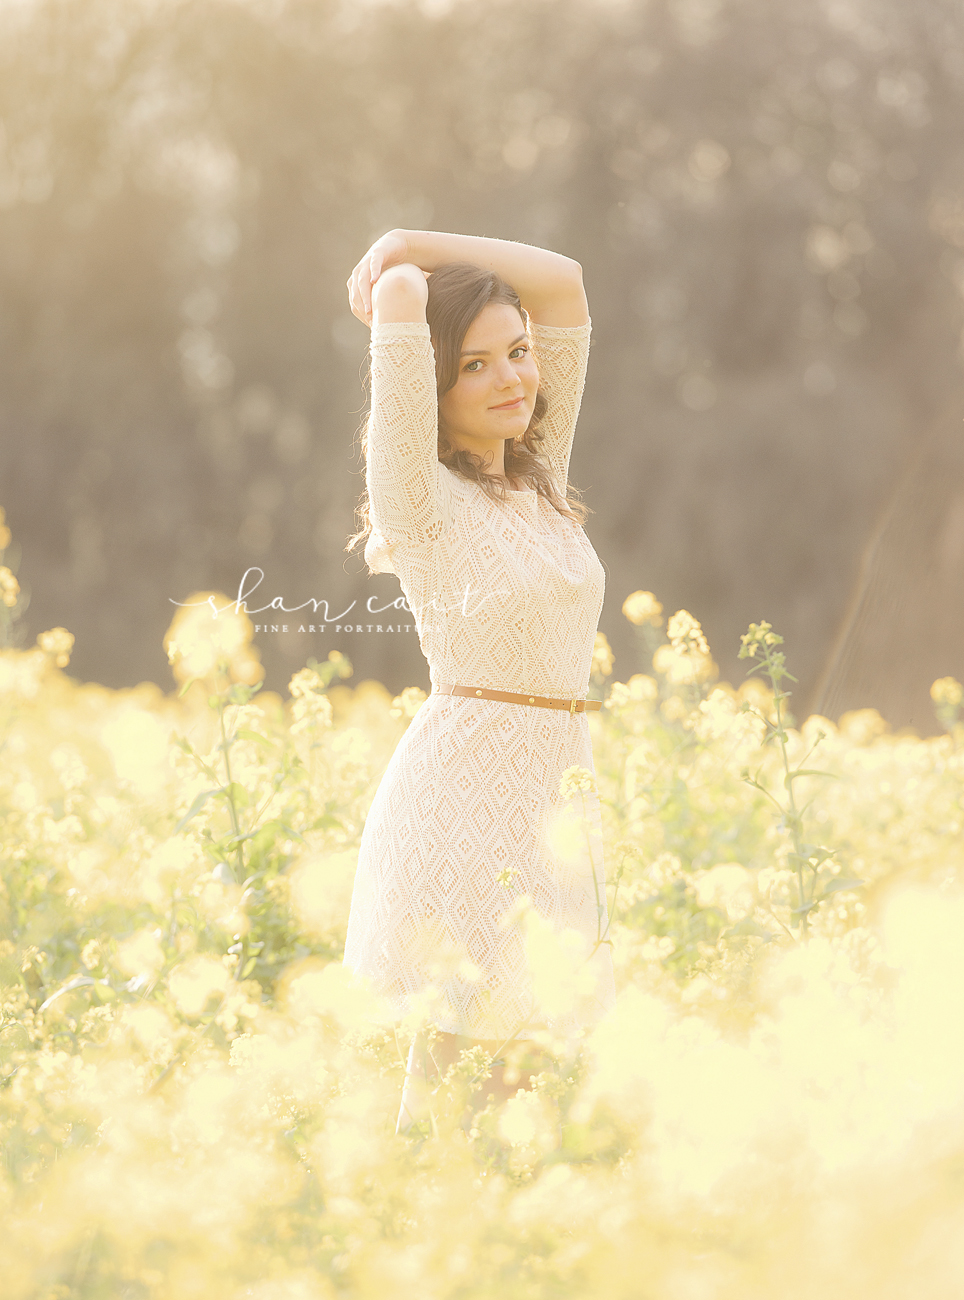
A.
pixel 457 293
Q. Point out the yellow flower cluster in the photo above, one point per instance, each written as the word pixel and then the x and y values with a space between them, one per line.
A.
pixel 640 689
pixel 948 691
pixel 948 696
pixel 9 587
pixel 757 637
pixel 643 607
pixel 311 706
pixel 182 1045
pixel 408 703
pixel 4 530
pixel 686 660
pixel 576 780
pixel 685 633
pixel 209 633
pixel 602 656
pixel 58 644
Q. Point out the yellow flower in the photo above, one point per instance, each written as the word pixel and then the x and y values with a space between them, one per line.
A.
pixel 576 780
pixel 640 689
pixel 305 684
pixel 408 703
pixel 674 709
pixel 686 660
pixel 683 667
pixel 58 643
pixel 602 656
pixel 207 631
pixel 92 954
pixel 948 695
pixel 758 636
pixel 948 692
pixel 9 587
pixel 4 530
pixel 863 726
pixel 643 607
pixel 727 886
pixel 686 634
pixel 312 707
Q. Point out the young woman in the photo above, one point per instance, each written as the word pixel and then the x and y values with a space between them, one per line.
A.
pixel 478 360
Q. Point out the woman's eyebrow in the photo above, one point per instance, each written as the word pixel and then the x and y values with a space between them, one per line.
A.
pixel 484 352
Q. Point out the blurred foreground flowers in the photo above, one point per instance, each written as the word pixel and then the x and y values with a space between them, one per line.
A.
pixel 197 1102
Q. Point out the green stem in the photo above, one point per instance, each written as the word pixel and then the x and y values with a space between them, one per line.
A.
pixel 791 814
pixel 592 866
pixel 235 822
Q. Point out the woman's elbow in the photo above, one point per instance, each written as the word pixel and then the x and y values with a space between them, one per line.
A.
pixel 400 294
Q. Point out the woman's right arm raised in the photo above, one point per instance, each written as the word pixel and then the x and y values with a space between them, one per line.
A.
pixel 402 465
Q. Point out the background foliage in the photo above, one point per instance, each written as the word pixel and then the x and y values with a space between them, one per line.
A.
pixel 197 1103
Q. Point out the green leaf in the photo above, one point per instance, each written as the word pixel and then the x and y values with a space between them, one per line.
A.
pixel 249 966
pixel 187 686
pixel 238 794
pixel 244 733
pixel 241 692
pixel 807 771
pixel 747 926
pixel 812 856
pixel 194 809
pixel 837 885
pixel 326 821
pixel 232 841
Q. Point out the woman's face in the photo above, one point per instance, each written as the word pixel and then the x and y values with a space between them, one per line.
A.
pixel 496 390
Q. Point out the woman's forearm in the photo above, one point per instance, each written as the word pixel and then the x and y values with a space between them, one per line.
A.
pixel 549 284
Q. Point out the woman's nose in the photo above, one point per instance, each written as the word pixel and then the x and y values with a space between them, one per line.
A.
pixel 506 376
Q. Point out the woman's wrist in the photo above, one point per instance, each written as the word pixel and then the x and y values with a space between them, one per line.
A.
pixel 421 250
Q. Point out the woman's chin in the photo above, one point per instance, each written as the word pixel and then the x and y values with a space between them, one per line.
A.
pixel 513 428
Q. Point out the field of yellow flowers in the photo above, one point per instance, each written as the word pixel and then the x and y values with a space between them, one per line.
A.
pixel 197 1104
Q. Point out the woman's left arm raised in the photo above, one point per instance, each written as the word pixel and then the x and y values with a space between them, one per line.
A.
pixel 549 284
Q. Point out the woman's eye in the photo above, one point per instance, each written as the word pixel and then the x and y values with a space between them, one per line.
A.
pixel 473 367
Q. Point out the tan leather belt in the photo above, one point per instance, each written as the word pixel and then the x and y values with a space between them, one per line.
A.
pixel 510 697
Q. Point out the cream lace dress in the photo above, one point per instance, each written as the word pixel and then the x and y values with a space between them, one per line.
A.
pixel 471 862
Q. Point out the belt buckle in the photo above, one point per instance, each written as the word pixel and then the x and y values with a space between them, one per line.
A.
pixel 572 707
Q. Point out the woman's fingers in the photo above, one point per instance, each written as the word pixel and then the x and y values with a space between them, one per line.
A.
pixel 356 294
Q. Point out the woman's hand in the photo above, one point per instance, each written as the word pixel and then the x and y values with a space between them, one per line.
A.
pixel 391 250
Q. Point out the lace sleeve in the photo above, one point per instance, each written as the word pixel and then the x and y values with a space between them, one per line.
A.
pixel 562 354
pixel 402 470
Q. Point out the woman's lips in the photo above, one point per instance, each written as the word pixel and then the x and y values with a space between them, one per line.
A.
pixel 508 406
